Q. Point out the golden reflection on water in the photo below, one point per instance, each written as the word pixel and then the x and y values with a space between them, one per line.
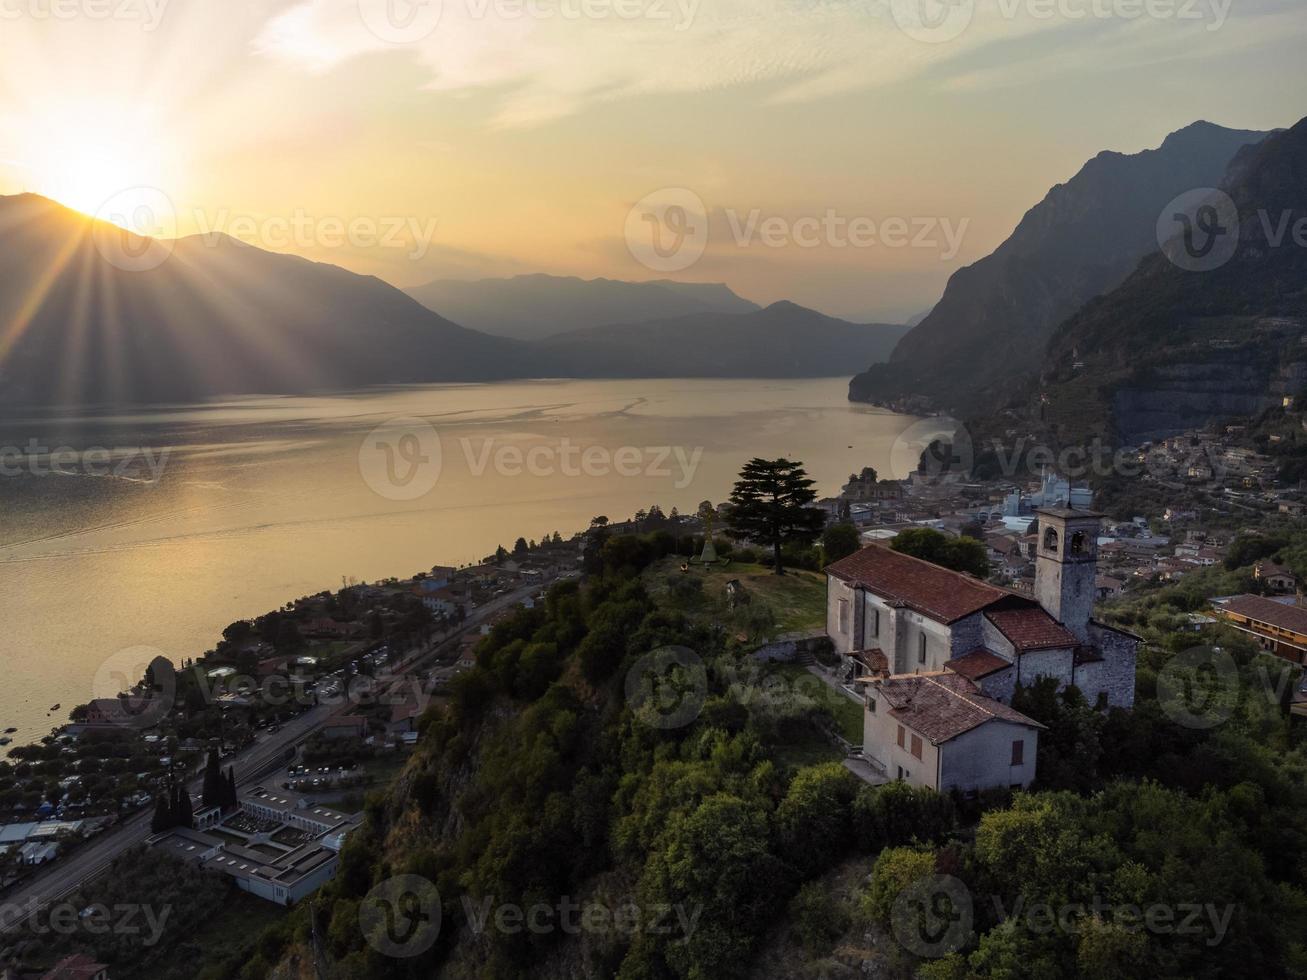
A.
pixel 261 500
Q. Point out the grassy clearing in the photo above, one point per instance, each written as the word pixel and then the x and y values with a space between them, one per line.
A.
pixel 846 712
pixel 789 603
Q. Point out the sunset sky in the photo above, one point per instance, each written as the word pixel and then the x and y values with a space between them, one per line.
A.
pixel 518 134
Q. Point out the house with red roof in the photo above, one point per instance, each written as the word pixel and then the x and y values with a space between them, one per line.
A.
pixel 904 618
pixel 939 730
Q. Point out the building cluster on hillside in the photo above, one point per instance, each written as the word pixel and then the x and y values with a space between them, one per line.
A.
pixel 278 848
pixel 939 654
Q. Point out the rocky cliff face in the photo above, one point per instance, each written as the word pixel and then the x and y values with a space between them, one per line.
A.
pixel 1213 325
pixel 988 333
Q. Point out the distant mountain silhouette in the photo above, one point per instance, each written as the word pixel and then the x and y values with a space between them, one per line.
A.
pixel 783 340
pixel 989 331
pixel 538 306
pixel 1178 345
pixel 90 314
pixel 214 317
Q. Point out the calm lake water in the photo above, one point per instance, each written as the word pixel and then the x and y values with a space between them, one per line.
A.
pixel 165 525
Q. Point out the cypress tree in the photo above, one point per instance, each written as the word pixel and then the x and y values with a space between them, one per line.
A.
pixel 230 787
pixel 214 789
pixel 162 819
pixel 185 816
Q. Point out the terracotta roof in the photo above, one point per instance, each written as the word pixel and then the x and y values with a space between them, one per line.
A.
pixel 940 593
pixel 1031 628
pixel 874 660
pixel 1279 614
pixel 79 966
pixel 1267 567
pixel 941 706
pixel 1003 544
pixel 1068 513
pixel 977 664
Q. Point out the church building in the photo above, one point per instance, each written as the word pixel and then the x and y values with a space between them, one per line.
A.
pixel 940 654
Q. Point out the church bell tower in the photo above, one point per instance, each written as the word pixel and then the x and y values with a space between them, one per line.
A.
pixel 1066 566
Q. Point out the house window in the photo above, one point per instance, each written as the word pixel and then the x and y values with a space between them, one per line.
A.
pixel 844 615
pixel 875 622
pixel 916 746
pixel 901 736
pixel 1018 752
pixel 921 649
pixel 871 704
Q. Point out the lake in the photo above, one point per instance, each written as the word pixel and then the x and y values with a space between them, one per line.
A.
pixel 156 528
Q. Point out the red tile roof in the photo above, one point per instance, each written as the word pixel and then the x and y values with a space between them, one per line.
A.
pixel 874 660
pixel 977 664
pixel 1031 628
pixel 941 706
pixel 1281 614
pixel 79 966
pixel 940 593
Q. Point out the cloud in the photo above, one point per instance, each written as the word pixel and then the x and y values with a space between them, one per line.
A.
pixel 544 59
pixel 549 58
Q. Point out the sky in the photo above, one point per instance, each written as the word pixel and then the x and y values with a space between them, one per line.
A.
pixel 848 155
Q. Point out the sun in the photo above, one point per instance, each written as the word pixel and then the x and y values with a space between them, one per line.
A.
pixel 99 161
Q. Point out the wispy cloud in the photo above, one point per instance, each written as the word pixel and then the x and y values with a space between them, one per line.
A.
pixel 549 58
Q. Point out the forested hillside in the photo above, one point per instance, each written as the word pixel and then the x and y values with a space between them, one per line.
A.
pixel 705 832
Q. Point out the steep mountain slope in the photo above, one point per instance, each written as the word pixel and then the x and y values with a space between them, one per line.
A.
pixel 783 340
pixel 994 320
pixel 538 306
pixel 1172 348
pixel 90 314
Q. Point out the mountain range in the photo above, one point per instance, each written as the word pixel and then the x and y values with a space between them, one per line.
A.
pixel 987 335
pixel 538 306
pixel 1175 347
pixel 92 314
pixel 783 340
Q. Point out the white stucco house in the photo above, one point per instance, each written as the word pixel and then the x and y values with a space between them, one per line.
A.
pixel 940 653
